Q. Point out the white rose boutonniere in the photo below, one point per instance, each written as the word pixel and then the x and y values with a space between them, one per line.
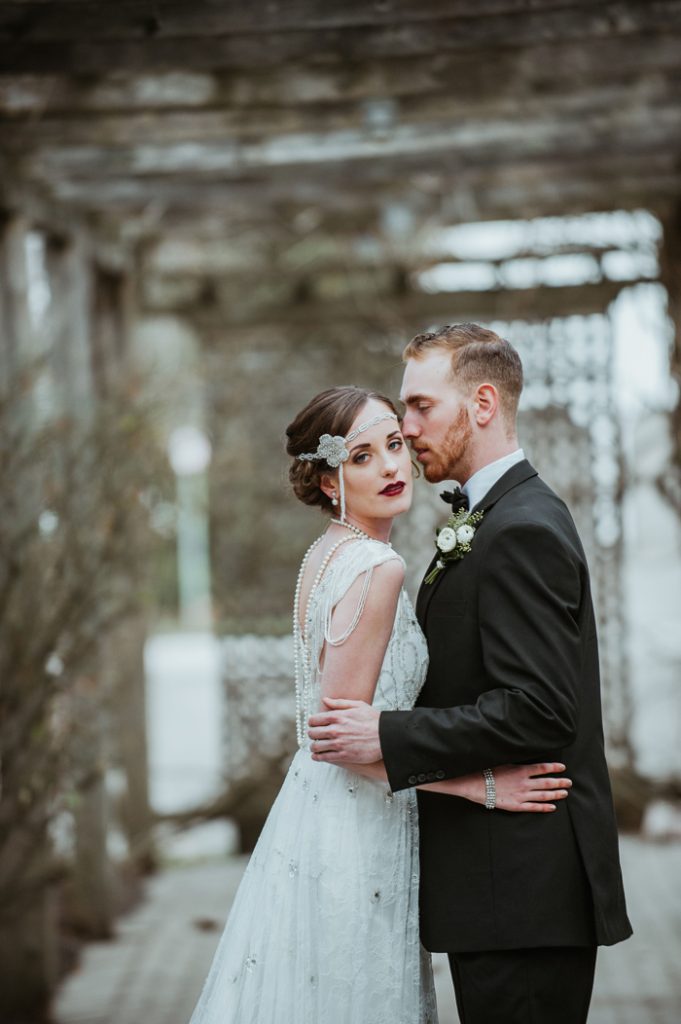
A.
pixel 454 540
pixel 446 539
pixel 465 534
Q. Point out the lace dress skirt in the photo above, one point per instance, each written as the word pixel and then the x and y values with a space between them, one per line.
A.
pixel 324 926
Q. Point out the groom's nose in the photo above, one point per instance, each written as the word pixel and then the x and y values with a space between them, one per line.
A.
pixel 409 425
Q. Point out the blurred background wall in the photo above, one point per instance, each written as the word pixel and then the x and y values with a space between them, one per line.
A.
pixel 207 214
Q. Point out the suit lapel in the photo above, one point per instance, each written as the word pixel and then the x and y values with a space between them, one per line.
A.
pixel 424 595
pixel 514 476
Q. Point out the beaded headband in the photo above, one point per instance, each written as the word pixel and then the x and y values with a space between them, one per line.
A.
pixel 334 451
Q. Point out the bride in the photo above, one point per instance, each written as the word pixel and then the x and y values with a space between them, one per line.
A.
pixel 324 928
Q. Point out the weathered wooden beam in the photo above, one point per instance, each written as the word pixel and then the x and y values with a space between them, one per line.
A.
pixel 130 19
pixel 42 19
pixel 88 38
pixel 464 141
pixel 466 76
pixel 387 312
pixel 168 266
pixel 347 196
pixel 648 99
pixel 529 189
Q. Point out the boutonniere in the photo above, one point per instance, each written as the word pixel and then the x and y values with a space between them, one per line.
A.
pixel 454 540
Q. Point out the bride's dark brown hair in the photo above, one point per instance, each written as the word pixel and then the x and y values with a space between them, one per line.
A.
pixel 330 412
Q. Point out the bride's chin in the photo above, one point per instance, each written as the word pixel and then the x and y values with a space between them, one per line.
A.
pixel 404 506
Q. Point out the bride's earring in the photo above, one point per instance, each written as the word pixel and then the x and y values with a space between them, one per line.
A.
pixel 334 499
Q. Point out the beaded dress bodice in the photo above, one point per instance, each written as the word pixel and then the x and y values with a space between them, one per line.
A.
pixel 406 658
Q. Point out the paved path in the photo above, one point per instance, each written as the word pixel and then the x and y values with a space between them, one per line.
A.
pixel 153 971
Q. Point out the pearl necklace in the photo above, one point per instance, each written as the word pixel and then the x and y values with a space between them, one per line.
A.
pixel 359 533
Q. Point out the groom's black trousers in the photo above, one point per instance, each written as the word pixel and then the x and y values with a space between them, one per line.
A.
pixel 550 985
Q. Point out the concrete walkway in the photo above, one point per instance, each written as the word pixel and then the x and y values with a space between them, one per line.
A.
pixel 153 971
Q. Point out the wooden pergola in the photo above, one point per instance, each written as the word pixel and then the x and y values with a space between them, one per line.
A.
pixel 243 130
pixel 218 115
pixel 310 146
pixel 272 176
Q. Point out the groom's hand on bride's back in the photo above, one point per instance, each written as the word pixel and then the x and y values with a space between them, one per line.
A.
pixel 347 733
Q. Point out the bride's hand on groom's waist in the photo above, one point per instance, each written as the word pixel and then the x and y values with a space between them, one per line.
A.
pixel 347 733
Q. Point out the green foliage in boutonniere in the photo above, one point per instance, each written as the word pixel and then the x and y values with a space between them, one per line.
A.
pixel 454 540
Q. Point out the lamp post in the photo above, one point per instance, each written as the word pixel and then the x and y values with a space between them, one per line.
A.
pixel 189 451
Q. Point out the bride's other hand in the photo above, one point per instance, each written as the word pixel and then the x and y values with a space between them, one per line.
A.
pixel 519 787
pixel 529 787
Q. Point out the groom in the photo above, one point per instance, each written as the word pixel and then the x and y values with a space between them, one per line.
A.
pixel 519 901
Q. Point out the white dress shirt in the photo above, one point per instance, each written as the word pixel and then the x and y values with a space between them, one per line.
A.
pixel 481 482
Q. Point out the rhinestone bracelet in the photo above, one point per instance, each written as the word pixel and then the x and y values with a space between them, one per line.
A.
pixel 490 790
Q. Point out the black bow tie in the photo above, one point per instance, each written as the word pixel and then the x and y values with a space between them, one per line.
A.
pixel 457 499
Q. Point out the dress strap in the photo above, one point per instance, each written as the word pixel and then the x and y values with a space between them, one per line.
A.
pixel 361 560
pixel 342 637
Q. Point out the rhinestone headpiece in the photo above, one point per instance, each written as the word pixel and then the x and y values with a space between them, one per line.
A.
pixel 334 451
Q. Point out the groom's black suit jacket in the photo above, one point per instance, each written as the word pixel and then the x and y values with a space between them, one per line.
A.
pixel 513 678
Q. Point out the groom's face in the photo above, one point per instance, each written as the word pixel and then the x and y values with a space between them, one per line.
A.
pixel 437 420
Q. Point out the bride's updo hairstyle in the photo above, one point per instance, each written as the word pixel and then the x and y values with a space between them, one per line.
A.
pixel 330 412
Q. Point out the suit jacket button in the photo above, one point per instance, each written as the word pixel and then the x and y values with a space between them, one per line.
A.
pixel 412 779
pixel 440 774
pixel 422 777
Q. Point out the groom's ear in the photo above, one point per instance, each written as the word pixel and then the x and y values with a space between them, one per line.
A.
pixel 485 404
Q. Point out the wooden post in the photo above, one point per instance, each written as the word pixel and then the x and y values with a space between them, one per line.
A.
pixel 28 934
pixel 70 278
pixel 110 311
pixel 92 909
pixel 15 322
pixel 125 662
pixel 70 272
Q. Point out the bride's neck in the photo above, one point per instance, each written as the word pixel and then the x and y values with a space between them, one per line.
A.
pixel 377 529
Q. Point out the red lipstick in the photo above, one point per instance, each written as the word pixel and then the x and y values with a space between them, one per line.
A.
pixel 392 489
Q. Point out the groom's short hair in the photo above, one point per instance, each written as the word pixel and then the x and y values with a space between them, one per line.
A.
pixel 478 356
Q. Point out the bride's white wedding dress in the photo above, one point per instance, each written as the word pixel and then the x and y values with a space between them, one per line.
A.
pixel 324 928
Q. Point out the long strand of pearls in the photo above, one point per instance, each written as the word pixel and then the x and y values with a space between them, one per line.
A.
pixel 302 667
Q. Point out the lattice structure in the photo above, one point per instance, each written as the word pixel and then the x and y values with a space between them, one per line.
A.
pixel 570 430
pixel 257 672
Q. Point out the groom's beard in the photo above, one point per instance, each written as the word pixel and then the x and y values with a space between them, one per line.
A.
pixel 452 460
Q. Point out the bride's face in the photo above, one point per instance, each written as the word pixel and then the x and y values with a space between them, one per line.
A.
pixel 378 473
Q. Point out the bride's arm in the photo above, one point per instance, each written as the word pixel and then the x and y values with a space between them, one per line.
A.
pixel 351 668
pixel 519 787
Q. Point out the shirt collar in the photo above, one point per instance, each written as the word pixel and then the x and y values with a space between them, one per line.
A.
pixel 481 482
